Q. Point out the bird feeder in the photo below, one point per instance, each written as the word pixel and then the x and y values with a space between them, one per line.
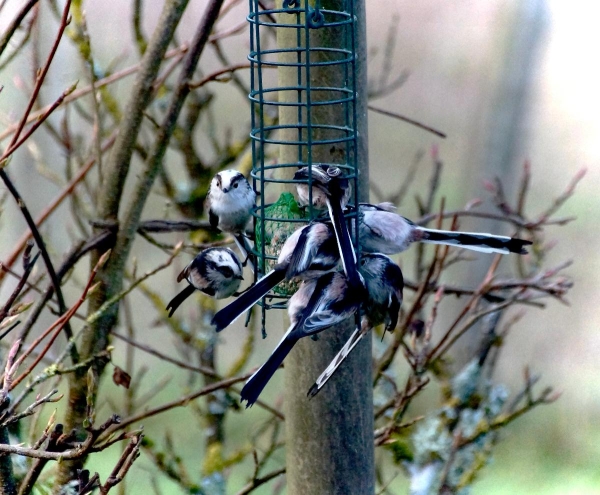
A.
pixel 303 111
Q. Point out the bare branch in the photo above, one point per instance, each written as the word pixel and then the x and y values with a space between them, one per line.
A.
pixel 15 24
pixel 256 482
pixel 179 402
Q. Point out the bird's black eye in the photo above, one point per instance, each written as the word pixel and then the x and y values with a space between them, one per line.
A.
pixel 363 262
pixel 227 272
pixel 235 185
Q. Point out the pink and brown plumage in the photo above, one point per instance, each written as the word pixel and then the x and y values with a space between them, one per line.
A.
pixel 319 304
pixel 384 284
pixel 381 230
pixel 215 271
pixel 309 252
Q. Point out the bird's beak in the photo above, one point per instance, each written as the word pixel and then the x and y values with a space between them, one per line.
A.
pixel 240 277
pixel 225 190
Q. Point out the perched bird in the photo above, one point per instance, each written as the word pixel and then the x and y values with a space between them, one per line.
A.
pixel 384 285
pixel 309 252
pixel 317 305
pixel 381 230
pixel 215 271
pixel 331 187
pixel 229 202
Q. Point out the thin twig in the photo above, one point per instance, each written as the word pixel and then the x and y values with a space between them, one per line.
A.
pixel 15 24
pixel 48 398
pixel 60 323
pixel 12 148
pixel 163 357
pixel 256 482
pixel 215 75
pixel 80 451
pixel 88 89
pixel 40 244
pixel 198 369
pixel 182 402
pixel 468 307
pixel 115 299
pixel 42 74
pixel 129 455
pixel 28 265
pixel 416 123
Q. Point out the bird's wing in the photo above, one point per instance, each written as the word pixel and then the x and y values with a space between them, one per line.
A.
pixel 298 260
pixel 320 321
pixel 183 275
pixel 393 312
pixel 315 303
pixel 213 219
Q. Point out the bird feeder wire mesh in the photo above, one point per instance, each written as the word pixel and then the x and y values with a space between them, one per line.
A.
pixel 305 111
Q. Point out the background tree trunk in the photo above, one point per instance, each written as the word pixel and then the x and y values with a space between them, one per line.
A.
pixel 503 127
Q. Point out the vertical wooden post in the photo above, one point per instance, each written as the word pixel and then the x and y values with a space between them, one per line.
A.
pixel 329 439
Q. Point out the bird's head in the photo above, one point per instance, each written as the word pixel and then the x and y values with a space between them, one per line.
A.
pixel 230 182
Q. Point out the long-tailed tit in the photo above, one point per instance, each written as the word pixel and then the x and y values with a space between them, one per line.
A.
pixel 320 180
pixel 229 203
pixel 331 187
pixel 215 271
pixel 384 284
pixel 309 252
pixel 317 305
pixel 381 230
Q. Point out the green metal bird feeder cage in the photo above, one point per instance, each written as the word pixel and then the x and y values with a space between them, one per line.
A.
pixel 303 111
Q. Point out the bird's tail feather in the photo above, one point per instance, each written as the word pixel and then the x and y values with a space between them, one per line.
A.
pixel 335 363
pixel 179 298
pixel 245 248
pixel 245 301
pixel 343 239
pixel 485 243
pixel 257 382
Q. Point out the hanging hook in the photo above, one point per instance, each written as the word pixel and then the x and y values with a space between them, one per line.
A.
pixel 315 19
pixel 291 4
